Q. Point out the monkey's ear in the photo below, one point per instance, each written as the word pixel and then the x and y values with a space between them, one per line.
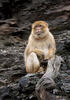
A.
pixel 32 26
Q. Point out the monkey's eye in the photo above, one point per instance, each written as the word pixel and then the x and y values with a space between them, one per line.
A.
pixel 40 25
pixel 36 26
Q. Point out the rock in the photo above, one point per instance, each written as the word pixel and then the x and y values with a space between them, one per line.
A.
pixel 11 64
pixel 6 95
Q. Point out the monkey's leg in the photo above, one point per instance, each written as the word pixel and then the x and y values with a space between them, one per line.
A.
pixel 32 63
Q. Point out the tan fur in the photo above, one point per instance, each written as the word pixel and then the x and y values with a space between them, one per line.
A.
pixel 42 46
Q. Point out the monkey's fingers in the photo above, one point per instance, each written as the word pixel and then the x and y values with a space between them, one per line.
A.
pixel 40 57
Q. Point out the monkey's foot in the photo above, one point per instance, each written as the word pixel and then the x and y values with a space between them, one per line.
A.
pixel 41 69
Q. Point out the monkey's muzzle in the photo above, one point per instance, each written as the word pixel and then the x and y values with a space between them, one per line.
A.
pixel 38 31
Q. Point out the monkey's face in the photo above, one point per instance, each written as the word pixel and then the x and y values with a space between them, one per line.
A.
pixel 39 28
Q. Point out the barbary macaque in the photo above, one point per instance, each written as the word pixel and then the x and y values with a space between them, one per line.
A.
pixel 41 45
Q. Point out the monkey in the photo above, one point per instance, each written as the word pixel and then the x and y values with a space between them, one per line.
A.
pixel 41 45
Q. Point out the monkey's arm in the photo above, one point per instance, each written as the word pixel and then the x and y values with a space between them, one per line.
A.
pixel 39 53
pixel 51 53
pixel 26 53
pixel 51 50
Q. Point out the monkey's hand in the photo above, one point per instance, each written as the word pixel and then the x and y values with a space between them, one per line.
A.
pixel 39 53
pixel 49 54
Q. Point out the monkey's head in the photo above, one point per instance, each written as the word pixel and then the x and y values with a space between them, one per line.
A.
pixel 40 29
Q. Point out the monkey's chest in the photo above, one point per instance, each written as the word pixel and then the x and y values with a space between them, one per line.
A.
pixel 41 45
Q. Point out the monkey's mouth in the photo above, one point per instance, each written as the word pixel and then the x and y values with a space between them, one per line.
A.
pixel 38 33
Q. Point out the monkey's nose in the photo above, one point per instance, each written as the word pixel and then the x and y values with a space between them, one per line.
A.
pixel 38 30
